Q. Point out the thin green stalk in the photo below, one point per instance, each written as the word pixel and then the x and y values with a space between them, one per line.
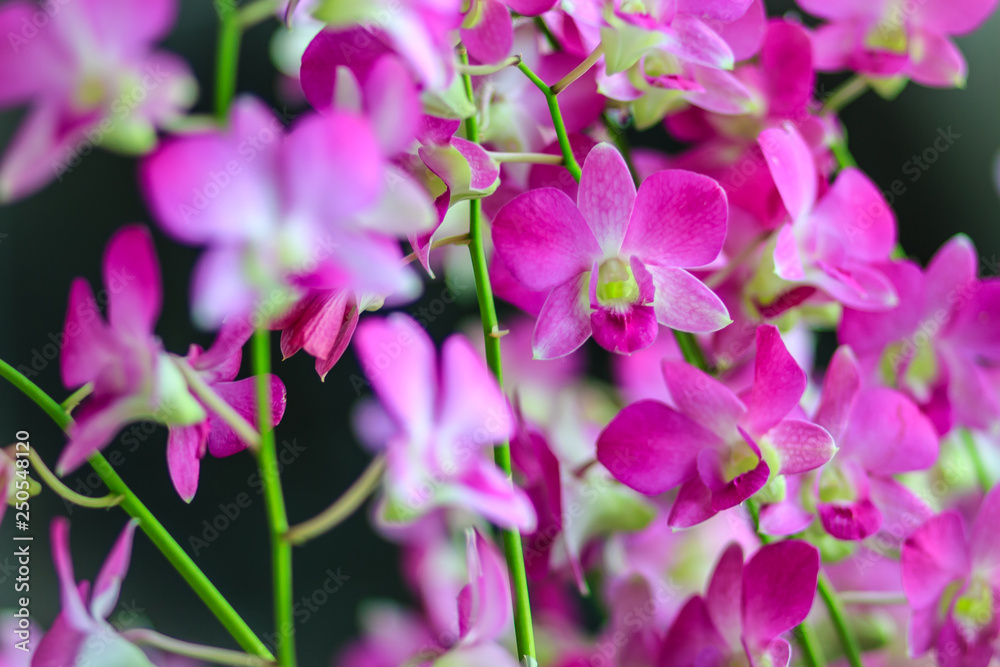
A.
pixel 55 484
pixel 557 121
pixel 342 508
pixel 227 55
pixel 159 536
pixel 982 475
pixel 513 552
pixel 578 71
pixel 618 136
pixel 216 656
pixel 845 93
pixel 693 354
pixel 852 651
pixel 274 499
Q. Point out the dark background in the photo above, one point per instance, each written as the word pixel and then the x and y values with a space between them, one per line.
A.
pixel 61 232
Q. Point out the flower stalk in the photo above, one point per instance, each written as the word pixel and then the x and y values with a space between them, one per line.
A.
pixel 557 121
pixel 341 508
pixel 578 71
pixel 218 656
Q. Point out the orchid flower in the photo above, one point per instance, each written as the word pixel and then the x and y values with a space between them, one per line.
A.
pixel 612 262
pixel 81 633
pixel 834 239
pixel 885 39
pixel 720 449
pixel 951 578
pixel 439 421
pixel 92 77
pixel 746 608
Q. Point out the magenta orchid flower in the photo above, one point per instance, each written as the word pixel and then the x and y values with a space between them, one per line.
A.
pixel 939 344
pixel 718 448
pixel 92 77
pixel 132 377
pixel 218 367
pixel 439 423
pixel 282 215
pixel 81 633
pixel 884 39
pixel 951 578
pixel 880 433
pixel 488 29
pixel 613 262
pixel 834 240
pixel 746 609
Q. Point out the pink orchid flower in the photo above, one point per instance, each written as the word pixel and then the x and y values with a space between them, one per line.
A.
pixel 218 367
pixel 81 634
pixel 419 30
pixel 488 29
pixel 132 377
pixel 888 39
pixel 438 424
pixel 92 77
pixel 284 214
pixel 612 262
pixel 951 578
pixel 880 433
pixel 939 344
pixel 746 609
pixel 834 240
pixel 720 449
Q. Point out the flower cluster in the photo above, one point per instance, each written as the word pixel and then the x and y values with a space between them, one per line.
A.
pixel 726 482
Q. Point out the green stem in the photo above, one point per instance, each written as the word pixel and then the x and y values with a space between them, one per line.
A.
pixel 982 475
pixel 620 139
pixel 513 552
pixel 578 71
pixel 38 466
pixel 485 70
pixel 342 508
pixel 277 519
pixel 257 12
pixel 809 643
pixel 836 610
pixel 845 93
pixel 216 656
pixel 174 553
pixel 557 121
pixel 691 350
pixel 227 55
pixel 76 397
pixel 526 158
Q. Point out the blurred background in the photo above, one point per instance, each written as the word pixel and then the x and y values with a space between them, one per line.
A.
pixel 59 233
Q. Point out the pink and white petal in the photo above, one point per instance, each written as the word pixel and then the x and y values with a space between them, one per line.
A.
pixel 71 602
pixel 219 289
pixel 563 324
pixel 624 332
pixel 984 544
pixel 32 65
pixel 679 219
pixel 801 445
pixel 472 405
pixel 703 398
pixel 854 220
pixel 692 506
pixel 840 389
pixel 936 61
pixel 399 360
pixel 605 196
pixel 484 171
pixel 933 556
pixel 485 603
pixel 108 584
pixel 850 521
pixel 855 285
pixel 898 505
pixel 784 518
pixel 132 279
pixel 724 11
pixel 242 397
pixel 727 493
pixel 793 168
pixel 786 63
pixel 971 393
pixel 923 629
pixel 186 445
pixel 179 177
pixel 652 448
pixel 693 640
pixel 392 104
pixel 778 382
pixel 722 597
pixel 125 29
pixel 745 34
pixel 327 52
pixel 719 91
pixel 84 351
pixel 486 491
pixel 777 653
pixel 685 303
pixel 843 9
pixel 491 38
pixel 690 38
pixel 61 645
pixel 953 270
pixel 888 434
pixel 953 18
pixel 530 7
pixel 787 257
pixel 96 424
pixel 477 655
pixel 786 572
pixel 543 239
